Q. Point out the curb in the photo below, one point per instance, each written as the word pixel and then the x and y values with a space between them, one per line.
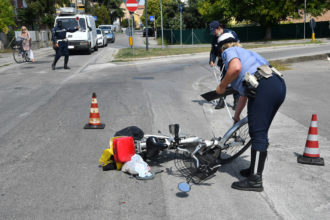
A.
pixel 197 55
pixel 303 58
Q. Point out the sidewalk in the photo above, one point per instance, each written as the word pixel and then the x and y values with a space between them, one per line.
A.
pixel 7 59
pixel 154 44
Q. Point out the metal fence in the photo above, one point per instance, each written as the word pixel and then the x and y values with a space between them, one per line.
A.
pixel 249 33
pixel 39 39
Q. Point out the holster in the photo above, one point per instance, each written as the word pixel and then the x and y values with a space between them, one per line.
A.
pixel 250 84
pixel 249 91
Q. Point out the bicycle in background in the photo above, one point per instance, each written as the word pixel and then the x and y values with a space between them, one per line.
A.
pixel 20 55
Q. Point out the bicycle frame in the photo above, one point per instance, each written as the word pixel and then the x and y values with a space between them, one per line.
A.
pixel 216 144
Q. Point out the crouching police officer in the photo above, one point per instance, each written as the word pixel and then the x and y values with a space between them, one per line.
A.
pixel 217 30
pixel 61 43
pixel 263 88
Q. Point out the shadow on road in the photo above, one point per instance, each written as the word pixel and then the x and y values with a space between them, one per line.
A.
pixel 235 166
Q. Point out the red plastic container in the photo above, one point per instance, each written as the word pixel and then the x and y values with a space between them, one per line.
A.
pixel 123 149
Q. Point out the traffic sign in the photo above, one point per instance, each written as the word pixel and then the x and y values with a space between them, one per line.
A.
pixel 131 5
pixel 152 18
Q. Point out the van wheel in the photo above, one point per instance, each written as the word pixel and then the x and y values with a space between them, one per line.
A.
pixel 96 48
pixel 89 50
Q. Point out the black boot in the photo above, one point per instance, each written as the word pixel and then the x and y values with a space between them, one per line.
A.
pixel 254 181
pixel 247 172
pixel 221 104
pixel 66 60
pixel 56 58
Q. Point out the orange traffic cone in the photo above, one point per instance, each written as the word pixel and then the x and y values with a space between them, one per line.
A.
pixel 311 153
pixel 94 116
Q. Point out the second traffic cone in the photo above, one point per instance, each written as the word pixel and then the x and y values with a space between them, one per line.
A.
pixel 94 116
pixel 311 153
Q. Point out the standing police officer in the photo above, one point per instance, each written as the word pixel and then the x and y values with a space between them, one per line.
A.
pixel 61 43
pixel 216 30
pixel 263 87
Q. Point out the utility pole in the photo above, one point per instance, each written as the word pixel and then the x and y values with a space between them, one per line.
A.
pixel 161 21
pixel 146 27
pixel 180 8
pixel 305 21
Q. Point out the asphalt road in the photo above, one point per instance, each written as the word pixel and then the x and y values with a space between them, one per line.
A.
pixel 48 162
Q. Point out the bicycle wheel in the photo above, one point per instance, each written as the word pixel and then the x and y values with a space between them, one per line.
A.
pixel 18 55
pixel 235 142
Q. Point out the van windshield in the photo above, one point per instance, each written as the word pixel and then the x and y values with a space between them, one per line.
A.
pixel 71 23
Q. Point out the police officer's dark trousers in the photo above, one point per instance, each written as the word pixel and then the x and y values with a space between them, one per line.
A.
pixel 261 111
pixel 62 48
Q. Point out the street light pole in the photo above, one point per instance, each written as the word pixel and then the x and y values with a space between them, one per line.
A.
pixel 146 28
pixel 180 8
pixel 161 21
pixel 305 21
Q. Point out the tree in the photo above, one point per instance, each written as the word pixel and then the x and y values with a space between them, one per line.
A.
pixel 6 16
pixel 268 12
pixel 102 15
pixel 114 10
pixel 264 12
pixel 215 10
pixel 170 13
pixel 39 12
pixel 124 23
pixel 192 16
pixel 113 7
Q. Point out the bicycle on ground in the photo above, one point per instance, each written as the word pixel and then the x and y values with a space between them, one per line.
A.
pixel 198 159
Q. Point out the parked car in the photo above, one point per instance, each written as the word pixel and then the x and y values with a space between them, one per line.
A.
pixel 108 32
pixel 105 26
pixel 151 32
pixel 101 38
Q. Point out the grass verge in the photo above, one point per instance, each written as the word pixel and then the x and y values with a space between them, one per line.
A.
pixel 280 66
pixel 126 54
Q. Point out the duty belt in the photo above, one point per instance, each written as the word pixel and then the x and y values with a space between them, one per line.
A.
pixel 258 76
pixel 266 73
pixel 62 40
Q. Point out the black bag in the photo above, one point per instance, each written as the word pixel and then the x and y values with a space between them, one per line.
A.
pixel 132 131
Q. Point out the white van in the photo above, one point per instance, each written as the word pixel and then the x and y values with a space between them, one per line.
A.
pixel 83 39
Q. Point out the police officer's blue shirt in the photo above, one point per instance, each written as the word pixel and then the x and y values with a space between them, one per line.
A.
pixel 59 33
pixel 250 61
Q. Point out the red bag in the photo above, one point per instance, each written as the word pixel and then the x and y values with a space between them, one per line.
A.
pixel 123 149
